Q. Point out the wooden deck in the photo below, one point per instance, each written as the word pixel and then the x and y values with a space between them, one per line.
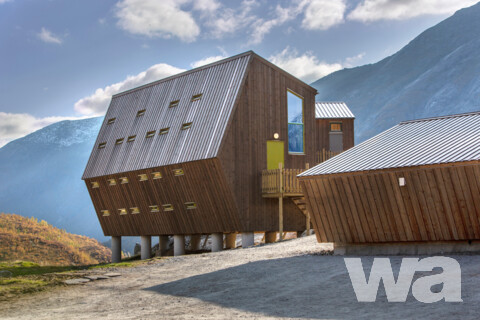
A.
pixel 281 182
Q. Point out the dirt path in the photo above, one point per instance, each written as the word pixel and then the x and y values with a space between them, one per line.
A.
pixel 284 280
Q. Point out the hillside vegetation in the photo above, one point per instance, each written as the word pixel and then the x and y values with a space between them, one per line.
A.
pixel 28 239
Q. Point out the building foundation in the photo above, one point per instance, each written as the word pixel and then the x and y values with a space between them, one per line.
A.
pixel 270 237
pixel 230 240
pixel 116 249
pixel 248 239
pixel 217 242
pixel 178 245
pixel 145 247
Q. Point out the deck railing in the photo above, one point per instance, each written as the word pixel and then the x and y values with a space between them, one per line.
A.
pixel 324 155
pixel 281 181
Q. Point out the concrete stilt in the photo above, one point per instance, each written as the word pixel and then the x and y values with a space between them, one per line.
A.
pixel 270 237
pixel 195 242
pixel 146 247
pixel 178 245
pixel 116 249
pixel 217 242
pixel 230 240
pixel 248 239
pixel 162 245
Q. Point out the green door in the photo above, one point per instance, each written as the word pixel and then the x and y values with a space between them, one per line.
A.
pixel 275 154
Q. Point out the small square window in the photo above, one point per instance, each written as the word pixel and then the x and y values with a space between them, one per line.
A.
pixel 186 126
pixel 123 180
pixel 156 175
pixel 150 134
pixel 196 97
pixel 105 213
pixel 112 182
pixel 119 141
pixel 102 145
pixel 167 207
pixel 190 205
pixel 131 138
pixel 178 172
pixel 335 127
pixel 122 211
pixel 111 120
pixel 141 112
pixel 95 184
pixel 143 177
pixel 134 210
pixel 154 208
pixel 164 131
pixel 174 104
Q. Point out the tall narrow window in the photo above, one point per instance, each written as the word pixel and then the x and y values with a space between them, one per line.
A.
pixel 295 123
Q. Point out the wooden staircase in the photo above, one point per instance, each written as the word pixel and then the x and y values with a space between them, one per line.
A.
pixel 301 204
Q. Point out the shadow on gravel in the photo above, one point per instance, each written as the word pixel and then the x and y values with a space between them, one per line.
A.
pixel 311 287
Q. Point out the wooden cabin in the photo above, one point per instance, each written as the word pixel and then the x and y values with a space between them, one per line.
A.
pixel 199 153
pixel 414 188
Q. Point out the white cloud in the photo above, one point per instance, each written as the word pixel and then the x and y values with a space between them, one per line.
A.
pixel 306 67
pixel 4 1
pixel 207 60
pixel 227 20
pixel 97 103
pixel 152 18
pixel 261 27
pixel 323 14
pixel 206 5
pixel 373 10
pixel 47 36
pixel 354 61
pixel 17 125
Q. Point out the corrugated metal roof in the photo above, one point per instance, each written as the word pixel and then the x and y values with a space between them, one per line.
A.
pixel 219 83
pixel 411 143
pixel 327 110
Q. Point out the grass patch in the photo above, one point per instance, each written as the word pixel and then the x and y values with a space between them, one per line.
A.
pixel 25 268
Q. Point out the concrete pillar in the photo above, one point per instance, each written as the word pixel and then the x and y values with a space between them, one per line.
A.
pixel 178 245
pixel 116 249
pixel 230 240
pixel 162 245
pixel 217 242
pixel 145 247
pixel 248 239
pixel 195 242
pixel 270 237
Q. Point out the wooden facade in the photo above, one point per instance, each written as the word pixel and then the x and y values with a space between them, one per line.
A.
pixel 211 172
pixel 417 182
pixel 323 132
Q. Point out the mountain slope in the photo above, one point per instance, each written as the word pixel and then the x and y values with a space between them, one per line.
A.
pixel 41 174
pixel 437 73
pixel 27 239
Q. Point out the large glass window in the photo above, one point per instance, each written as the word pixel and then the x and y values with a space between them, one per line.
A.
pixel 295 123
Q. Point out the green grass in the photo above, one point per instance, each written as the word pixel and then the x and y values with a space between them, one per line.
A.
pixel 25 268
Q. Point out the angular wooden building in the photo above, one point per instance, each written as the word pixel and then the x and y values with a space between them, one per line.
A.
pixel 417 183
pixel 186 155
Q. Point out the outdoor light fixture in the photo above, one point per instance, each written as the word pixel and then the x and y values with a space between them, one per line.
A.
pixel 276 136
pixel 401 182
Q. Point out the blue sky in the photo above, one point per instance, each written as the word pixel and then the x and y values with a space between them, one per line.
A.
pixel 64 59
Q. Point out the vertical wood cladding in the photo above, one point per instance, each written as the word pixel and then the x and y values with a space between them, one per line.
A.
pixel 323 130
pixel 203 182
pixel 438 203
pixel 262 111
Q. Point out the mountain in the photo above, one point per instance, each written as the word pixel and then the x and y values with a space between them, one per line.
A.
pixel 41 176
pixel 27 239
pixel 437 73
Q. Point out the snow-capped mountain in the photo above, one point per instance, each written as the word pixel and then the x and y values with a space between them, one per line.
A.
pixel 41 176
pixel 437 73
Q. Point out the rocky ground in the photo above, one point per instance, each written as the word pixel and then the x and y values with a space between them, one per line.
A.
pixel 292 279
